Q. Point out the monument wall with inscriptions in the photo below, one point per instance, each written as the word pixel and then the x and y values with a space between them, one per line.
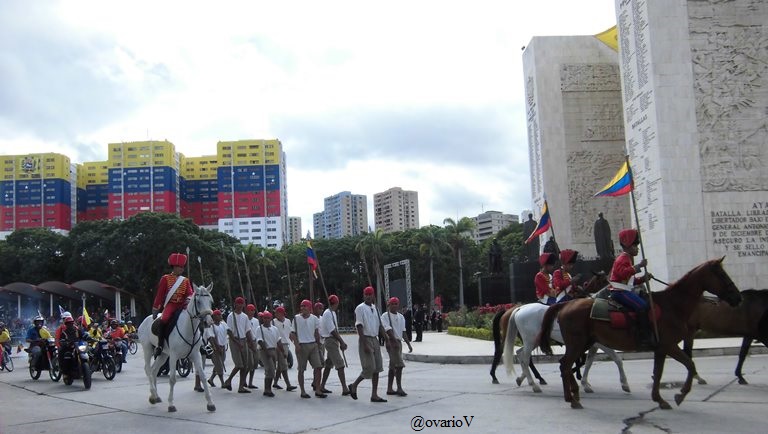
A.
pixel 695 93
pixel 576 135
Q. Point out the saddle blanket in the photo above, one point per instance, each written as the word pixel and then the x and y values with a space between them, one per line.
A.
pixel 613 312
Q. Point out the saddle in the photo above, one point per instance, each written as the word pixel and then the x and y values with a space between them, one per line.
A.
pixel 168 328
pixel 606 309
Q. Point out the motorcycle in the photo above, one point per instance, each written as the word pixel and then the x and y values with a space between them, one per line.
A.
pixel 116 351
pixel 76 363
pixel 101 359
pixel 48 361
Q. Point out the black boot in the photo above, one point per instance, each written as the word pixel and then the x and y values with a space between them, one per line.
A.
pixel 645 336
pixel 159 328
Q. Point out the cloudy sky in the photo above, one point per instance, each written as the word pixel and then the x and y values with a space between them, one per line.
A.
pixel 424 95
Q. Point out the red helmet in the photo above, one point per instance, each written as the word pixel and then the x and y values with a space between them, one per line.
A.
pixel 547 259
pixel 568 256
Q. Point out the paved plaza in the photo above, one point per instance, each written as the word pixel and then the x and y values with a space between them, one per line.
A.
pixel 459 396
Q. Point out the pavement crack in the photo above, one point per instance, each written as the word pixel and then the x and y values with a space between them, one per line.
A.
pixel 630 422
pixel 720 389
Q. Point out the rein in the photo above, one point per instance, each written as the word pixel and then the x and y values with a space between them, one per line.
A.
pixel 195 338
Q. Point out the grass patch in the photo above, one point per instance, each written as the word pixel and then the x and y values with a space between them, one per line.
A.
pixel 471 332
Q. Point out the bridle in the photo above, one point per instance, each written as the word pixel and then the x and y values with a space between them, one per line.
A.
pixel 197 315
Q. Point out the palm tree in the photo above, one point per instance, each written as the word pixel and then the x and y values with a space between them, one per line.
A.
pixel 458 240
pixel 431 242
pixel 371 246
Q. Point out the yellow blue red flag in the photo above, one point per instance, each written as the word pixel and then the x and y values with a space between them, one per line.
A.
pixel 544 224
pixel 620 185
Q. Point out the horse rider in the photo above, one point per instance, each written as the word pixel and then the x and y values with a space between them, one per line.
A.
pixel 623 292
pixel 562 280
pixel 172 293
pixel 545 292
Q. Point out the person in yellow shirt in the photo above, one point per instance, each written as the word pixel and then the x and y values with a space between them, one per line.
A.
pixel 5 339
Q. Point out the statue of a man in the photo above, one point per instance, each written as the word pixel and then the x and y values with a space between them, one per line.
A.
pixel 531 249
pixel 603 242
pixel 494 257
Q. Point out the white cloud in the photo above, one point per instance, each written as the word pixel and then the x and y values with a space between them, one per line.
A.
pixel 364 96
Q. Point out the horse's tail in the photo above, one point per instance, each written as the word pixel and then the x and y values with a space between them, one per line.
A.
pixel 509 344
pixel 546 327
pixel 497 345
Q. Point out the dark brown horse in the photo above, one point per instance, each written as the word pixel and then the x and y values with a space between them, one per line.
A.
pixel 677 302
pixel 748 320
pixel 597 282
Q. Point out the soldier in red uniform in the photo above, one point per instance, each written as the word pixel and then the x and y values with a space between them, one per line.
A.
pixel 562 281
pixel 543 280
pixel 622 290
pixel 172 293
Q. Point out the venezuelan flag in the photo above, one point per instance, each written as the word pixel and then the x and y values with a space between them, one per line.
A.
pixel 620 185
pixel 544 224
pixel 311 258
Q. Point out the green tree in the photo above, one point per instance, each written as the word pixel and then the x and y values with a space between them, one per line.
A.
pixel 458 240
pixel 431 244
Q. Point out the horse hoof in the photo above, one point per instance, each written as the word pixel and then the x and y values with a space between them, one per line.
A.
pixel 664 405
pixel 576 405
pixel 625 388
pixel 171 409
pixel 588 389
pixel 679 399
pixel 211 407
pixel 542 382
pixel 495 381
pixel 519 381
pixel 742 381
pixel 536 389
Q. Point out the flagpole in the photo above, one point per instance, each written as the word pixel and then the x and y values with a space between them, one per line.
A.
pixel 552 228
pixel 642 249
pixel 325 291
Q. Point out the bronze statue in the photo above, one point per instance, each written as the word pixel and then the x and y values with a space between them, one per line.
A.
pixel 494 258
pixel 603 242
pixel 531 250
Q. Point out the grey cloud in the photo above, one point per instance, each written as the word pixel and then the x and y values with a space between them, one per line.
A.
pixel 452 135
pixel 57 81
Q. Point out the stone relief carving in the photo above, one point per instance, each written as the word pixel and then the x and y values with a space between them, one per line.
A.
pixel 588 170
pixel 589 77
pixel 731 88
pixel 534 151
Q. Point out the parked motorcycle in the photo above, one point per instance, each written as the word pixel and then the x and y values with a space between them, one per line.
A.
pixel 48 361
pixel 76 363
pixel 101 359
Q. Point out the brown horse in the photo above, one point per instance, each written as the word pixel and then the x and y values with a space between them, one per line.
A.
pixel 501 322
pixel 677 302
pixel 748 320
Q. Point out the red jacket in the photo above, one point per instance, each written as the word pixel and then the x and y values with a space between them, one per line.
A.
pixel 542 283
pixel 624 269
pixel 166 283
pixel 561 280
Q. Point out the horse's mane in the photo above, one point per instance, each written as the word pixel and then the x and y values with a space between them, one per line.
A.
pixel 681 281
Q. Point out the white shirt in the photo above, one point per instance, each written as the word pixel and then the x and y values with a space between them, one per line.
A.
pixel 397 326
pixel 366 315
pixel 305 328
pixel 254 326
pixel 269 335
pixel 284 329
pixel 243 327
pixel 328 323
pixel 218 332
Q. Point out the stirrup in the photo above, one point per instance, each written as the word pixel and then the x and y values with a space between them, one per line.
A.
pixel 158 351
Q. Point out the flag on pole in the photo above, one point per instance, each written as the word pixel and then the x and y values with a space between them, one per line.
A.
pixel 61 311
pixel 86 317
pixel 620 185
pixel 311 258
pixel 544 224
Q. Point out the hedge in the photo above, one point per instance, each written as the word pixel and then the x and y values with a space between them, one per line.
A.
pixel 468 332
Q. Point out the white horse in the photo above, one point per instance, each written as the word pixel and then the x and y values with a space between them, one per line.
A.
pixel 526 320
pixel 184 341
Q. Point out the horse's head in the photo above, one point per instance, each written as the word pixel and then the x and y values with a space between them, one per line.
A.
pixel 201 303
pixel 717 281
pixel 598 281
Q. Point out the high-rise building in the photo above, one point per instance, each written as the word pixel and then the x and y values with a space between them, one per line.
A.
pixel 239 191
pixel 396 210
pixel 36 191
pixel 490 223
pixel 344 214
pixel 294 230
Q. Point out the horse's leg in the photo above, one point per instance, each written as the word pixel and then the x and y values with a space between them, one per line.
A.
pixel 497 351
pixel 688 350
pixel 151 377
pixel 570 386
pixel 579 363
pixel 678 354
pixel 659 356
pixel 199 371
pixel 610 352
pixel 745 344
pixel 536 373
pixel 171 379
pixel 587 366
pixel 524 354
